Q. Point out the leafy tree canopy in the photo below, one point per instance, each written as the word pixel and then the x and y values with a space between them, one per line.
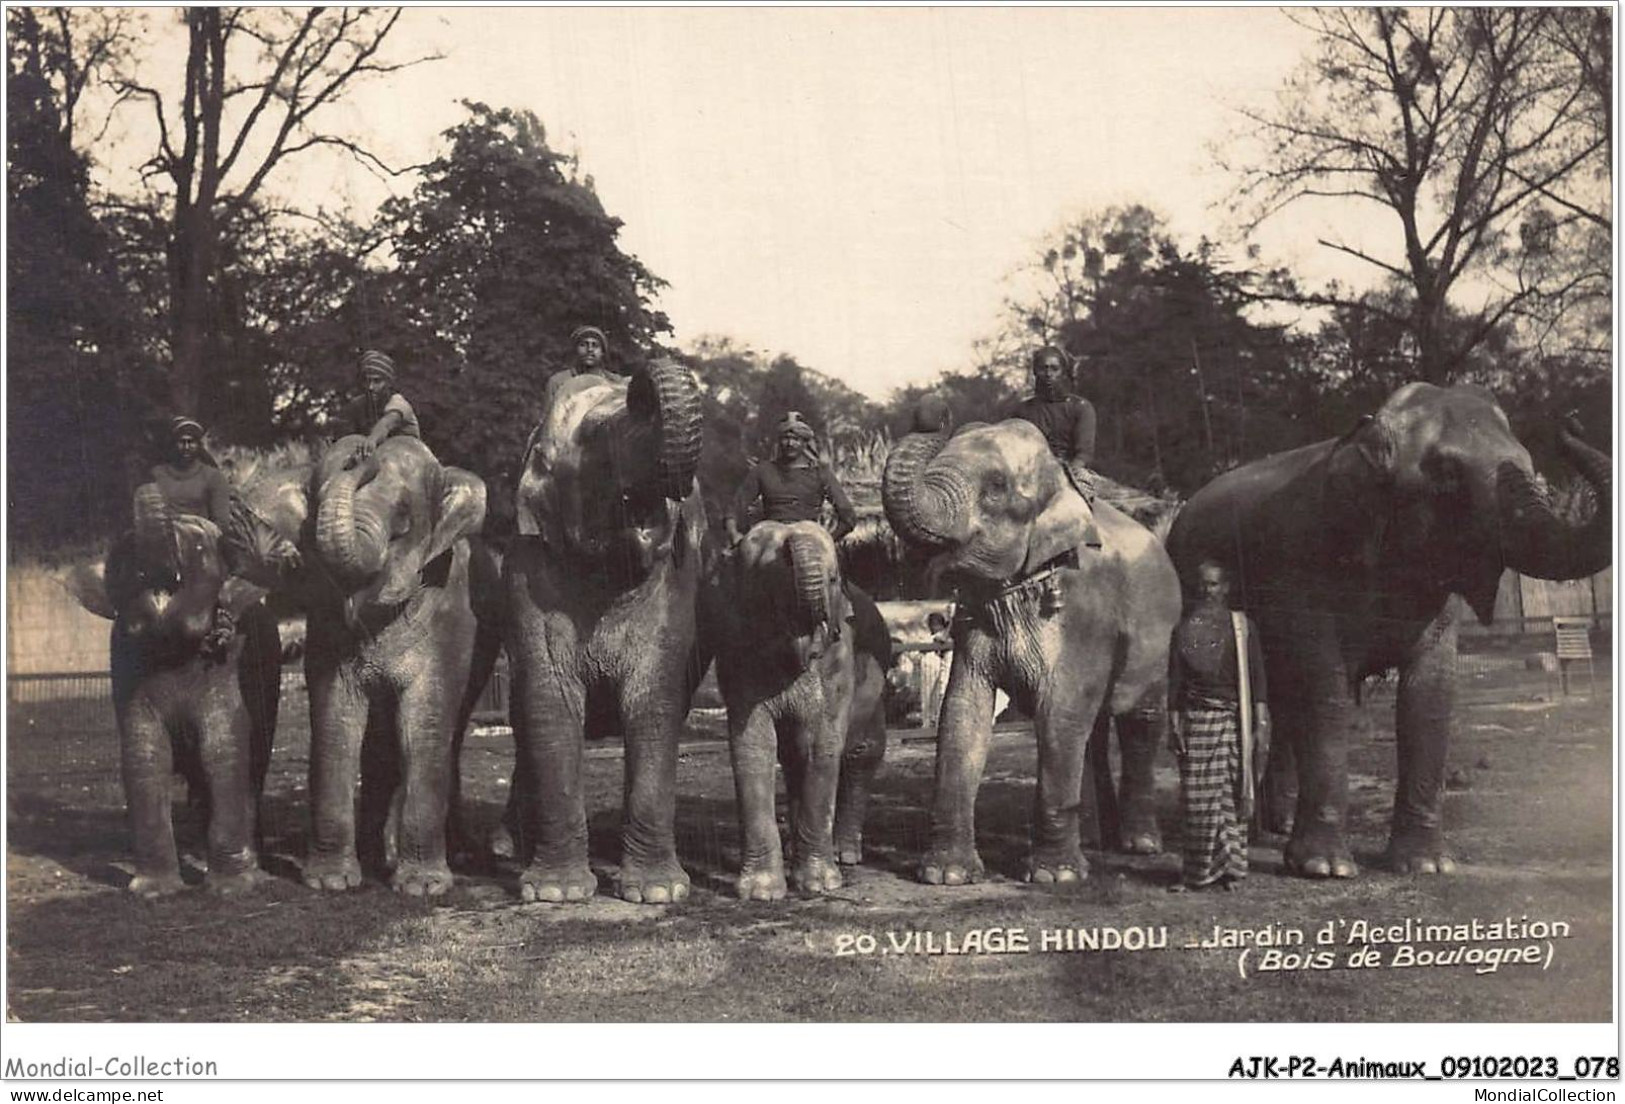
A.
pixel 499 253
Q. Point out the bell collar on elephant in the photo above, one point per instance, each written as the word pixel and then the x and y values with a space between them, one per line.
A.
pixel 1026 595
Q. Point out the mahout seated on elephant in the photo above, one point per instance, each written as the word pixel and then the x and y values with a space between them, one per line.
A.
pixel 602 583
pixel 1077 636
pixel 185 695
pixel 801 662
pixel 379 411
pixel 1349 554
pixel 396 651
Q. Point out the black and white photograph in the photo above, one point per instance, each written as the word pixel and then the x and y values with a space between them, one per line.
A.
pixel 821 516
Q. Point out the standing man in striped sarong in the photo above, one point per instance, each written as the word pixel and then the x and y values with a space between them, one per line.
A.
pixel 1219 734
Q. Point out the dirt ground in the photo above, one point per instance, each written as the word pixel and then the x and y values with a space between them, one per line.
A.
pixel 1528 809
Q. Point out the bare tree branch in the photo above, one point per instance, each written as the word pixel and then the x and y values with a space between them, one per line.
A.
pixel 1459 118
pixel 268 89
pixel 1366 257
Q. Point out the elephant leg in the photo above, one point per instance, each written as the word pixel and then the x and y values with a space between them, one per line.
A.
pixel 511 839
pixel 794 765
pixel 380 789
pixel 425 734
pixel 1278 795
pixel 963 736
pixel 227 762
pixel 1140 732
pixel 652 721
pixel 1325 702
pixel 549 708
pixel 865 750
pixel 815 744
pixel 461 839
pixel 1065 718
pixel 260 682
pixel 146 762
pixel 338 721
pixel 1097 811
pixel 751 745
pixel 1427 698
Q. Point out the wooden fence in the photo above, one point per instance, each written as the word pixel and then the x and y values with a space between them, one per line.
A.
pixel 1525 605
pixel 55 650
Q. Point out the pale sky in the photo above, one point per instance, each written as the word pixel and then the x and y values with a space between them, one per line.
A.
pixel 853 186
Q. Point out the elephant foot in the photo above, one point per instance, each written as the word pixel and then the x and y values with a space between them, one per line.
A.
pixel 1264 824
pixel 503 845
pixel 1142 843
pixel 336 874
pixel 655 884
pixel 1423 854
pixel 1057 869
pixel 816 876
pixel 1320 858
pixel 421 879
pixel 233 885
pixel 849 851
pixel 762 885
pixel 568 882
pixel 952 866
pixel 153 886
pixel 462 847
pixel 1275 821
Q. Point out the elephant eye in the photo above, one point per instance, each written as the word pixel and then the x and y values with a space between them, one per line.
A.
pixel 160 578
pixel 1445 474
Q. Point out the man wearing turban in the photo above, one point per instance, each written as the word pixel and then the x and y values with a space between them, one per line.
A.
pixel 793 485
pixel 380 411
pixel 190 483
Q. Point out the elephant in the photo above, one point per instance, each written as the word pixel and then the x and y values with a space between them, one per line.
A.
pixel 395 651
pixel 1347 553
pixel 602 580
pixel 801 661
pixel 184 694
pixel 1077 636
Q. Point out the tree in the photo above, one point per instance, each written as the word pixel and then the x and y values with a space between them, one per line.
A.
pixel 76 368
pixel 746 395
pixel 971 396
pixel 1483 132
pixel 256 83
pixel 1183 382
pixel 501 251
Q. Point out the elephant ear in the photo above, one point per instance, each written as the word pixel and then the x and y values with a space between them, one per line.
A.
pixel 1359 482
pixel 89 588
pixel 1060 527
pixel 460 513
pixel 267 522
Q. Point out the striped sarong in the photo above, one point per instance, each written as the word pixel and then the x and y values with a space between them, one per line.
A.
pixel 1215 843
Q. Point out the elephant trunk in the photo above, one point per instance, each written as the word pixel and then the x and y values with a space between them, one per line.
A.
pixel 807 566
pixel 154 526
pixel 667 395
pixel 925 505
pixel 352 543
pixel 1538 542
